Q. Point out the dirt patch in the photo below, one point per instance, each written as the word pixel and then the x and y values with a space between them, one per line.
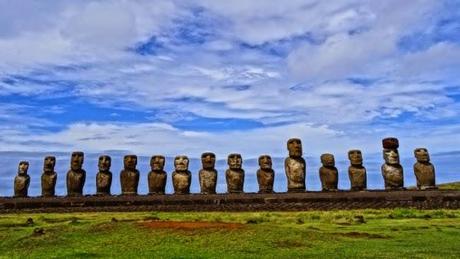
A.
pixel 360 235
pixel 289 244
pixel 190 225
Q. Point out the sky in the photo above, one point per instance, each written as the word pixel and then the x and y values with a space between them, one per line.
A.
pixel 185 77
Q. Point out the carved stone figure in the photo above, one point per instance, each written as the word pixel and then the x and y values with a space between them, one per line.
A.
pixel 129 176
pixel 182 177
pixel 22 180
pixel 49 177
pixel 234 174
pixel 295 166
pixel 328 173
pixel 76 176
pixel 157 176
pixel 392 171
pixel 424 170
pixel 356 171
pixel 265 174
pixel 208 174
pixel 104 176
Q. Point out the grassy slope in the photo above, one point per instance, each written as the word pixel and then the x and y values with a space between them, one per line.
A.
pixel 450 186
pixel 384 234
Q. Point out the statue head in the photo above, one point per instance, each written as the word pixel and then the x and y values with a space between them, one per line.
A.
pixel 104 163
pixel 76 160
pixel 181 163
pixel 390 151
pixel 234 161
pixel 157 163
pixel 208 160
pixel 327 159
pixel 421 154
pixel 265 162
pixel 294 146
pixel 49 163
pixel 355 156
pixel 23 167
pixel 130 162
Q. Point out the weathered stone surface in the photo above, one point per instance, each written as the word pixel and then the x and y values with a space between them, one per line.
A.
pixel 424 170
pixel 157 176
pixel 76 176
pixel 49 177
pixel 104 176
pixel 265 174
pixel 328 173
pixel 392 170
pixel 22 180
pixel 356 171
pixel 295 166
pixel 234 174
pixel 129 176
pixel 182 177
pixel 208 174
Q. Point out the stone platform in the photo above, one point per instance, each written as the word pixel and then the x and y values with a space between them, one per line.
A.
pixel 435 199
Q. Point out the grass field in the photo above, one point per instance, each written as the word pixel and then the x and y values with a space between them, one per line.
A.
pixel 338 234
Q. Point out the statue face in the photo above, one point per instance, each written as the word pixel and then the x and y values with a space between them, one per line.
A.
pixel 327 160
pixel 235 161
pixel 48 165
pixel 208 160
pixel 130 162
pixel 23 167
pixel 104 163
pixel 76 161
pixel 356 157
pixel 391 156
pixel 181 163
pixel 421 154
pixel 294 146
pixel 265 162
pixel 157 163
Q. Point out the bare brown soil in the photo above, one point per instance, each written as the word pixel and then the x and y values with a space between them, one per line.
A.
pixel 190 225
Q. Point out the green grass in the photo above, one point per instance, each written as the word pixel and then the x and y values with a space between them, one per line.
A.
pixel 450 186
pixel 399 233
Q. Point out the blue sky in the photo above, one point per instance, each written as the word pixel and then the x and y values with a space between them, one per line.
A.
pixel 184 77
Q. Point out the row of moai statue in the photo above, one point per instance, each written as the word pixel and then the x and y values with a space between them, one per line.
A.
pixel 295 169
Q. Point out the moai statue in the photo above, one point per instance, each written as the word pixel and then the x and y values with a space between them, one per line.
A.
pixel 328 173
pixel 356 171
pixel 392 171
pixel 129 176
pixel 208 174
pixel 157 176
pixel 424 170
pixel 104 176
pixel 234 174
pixel 76 176
pixel 295 166
pixel 265 174
pixel 49 177
pixel 182 177
pixel 22 180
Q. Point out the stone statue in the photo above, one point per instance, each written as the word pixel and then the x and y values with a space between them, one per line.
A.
pixel 356 171
pixel 295 166
pixel 182 177
pixel 157 176
pixel 22 180
pixel 392 171
pixel 76 176
pixel 49 177
pixel 424 170
pixel 235 174
pixel 328 173
pixel 104 176
pixel 208 174
pixel 129 176
pixel 265 174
